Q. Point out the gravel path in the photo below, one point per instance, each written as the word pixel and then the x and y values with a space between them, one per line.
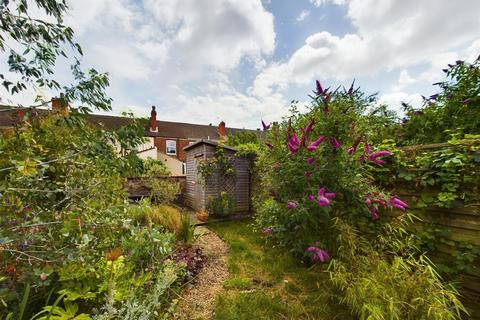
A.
pixel 198 301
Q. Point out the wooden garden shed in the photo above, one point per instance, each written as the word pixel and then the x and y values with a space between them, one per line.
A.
pixel 198 193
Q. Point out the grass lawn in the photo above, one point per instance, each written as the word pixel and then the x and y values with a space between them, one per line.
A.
pixel 268 283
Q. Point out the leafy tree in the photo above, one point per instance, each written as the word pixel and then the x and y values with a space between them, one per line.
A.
pixel 33 46
pixel 455 109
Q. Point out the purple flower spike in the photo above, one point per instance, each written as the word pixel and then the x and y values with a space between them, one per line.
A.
pixel 294 143
pixel 330 195
pixel 319 88
pixel 397 202
pixel 265 126
pixel 351 150
pixel 335 143
pixel 350 91
pixel 373 213
pixel 378 154
pixel 307 174
pixel 314 145
pixel 318 255
pixel 309 127
pixel 321 198
pixel 379 162
pixel 310 160
pixel 311 197
pixel 466 101
pixel 291 205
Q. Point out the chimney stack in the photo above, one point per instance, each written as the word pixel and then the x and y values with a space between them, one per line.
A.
pixel 60 105
pixel 153 120
pixel 222 131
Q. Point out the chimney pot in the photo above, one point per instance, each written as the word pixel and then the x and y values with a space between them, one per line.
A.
pixel 60 105
pixel 222 131
pixel 153 120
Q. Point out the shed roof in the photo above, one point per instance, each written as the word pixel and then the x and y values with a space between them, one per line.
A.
pixel 209 142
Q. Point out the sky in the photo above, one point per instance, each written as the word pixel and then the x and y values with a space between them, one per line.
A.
pixel 204 61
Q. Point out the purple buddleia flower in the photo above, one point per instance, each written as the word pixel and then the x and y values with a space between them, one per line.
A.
pixel 434 96
pixel 265 126
pixel 379 162
pixel 310 160
pixel 291 205
pixel 319 88
pixel 335 143
pixel 294 143
pixel 330 195
pixel 269 145
pixel 321 198
pixel 373 212
pixel 307 174
pixel 466 101
pixel 368 149
pixel 317 255
pixel 377 154
pixel 397 203
pixel 314 145
pixel 309 127
pixel 311 197
pixel 350 90
pixel 351 150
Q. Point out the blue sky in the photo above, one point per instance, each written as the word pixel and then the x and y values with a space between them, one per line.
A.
pixel 204 61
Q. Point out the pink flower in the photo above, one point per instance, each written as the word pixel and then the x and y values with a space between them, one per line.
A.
pixel 397 203
pixel 265 126
pixel 307 174
pixel 314 145
pixel 373 212
pixel 311 197
pixel 377 154
pixel 367 149
pixel 335 143
pixel 351 150
pixel 294 143
pixel 291 205
pixel 310 160
pixel 318 255
pixel 267 231
pixel 323 198
pixel 379 162
pixel 309 126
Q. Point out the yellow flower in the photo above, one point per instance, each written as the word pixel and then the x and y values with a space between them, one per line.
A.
pixel 114 254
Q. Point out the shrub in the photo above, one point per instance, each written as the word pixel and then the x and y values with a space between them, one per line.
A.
pixel 317 178
pixel 221 206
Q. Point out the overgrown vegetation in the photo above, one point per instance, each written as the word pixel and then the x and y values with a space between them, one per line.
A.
pixel 270 283
pixel 322 202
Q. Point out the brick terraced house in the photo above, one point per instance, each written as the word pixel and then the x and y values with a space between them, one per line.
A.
pixel 165 139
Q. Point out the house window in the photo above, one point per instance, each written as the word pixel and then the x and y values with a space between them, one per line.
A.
pixel 171 147
pixel 184 168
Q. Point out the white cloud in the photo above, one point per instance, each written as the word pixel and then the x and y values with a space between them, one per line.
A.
pixel 388 35
pixel 394 100
pixel 318 3
pixel 303 15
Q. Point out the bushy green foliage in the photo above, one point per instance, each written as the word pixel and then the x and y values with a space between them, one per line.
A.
pixel 243 137
pixel 454 109
pixel 221 206
pixel 67 228
pixel 318 172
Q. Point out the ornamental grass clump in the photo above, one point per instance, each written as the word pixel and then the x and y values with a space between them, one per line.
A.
pixel 318 187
